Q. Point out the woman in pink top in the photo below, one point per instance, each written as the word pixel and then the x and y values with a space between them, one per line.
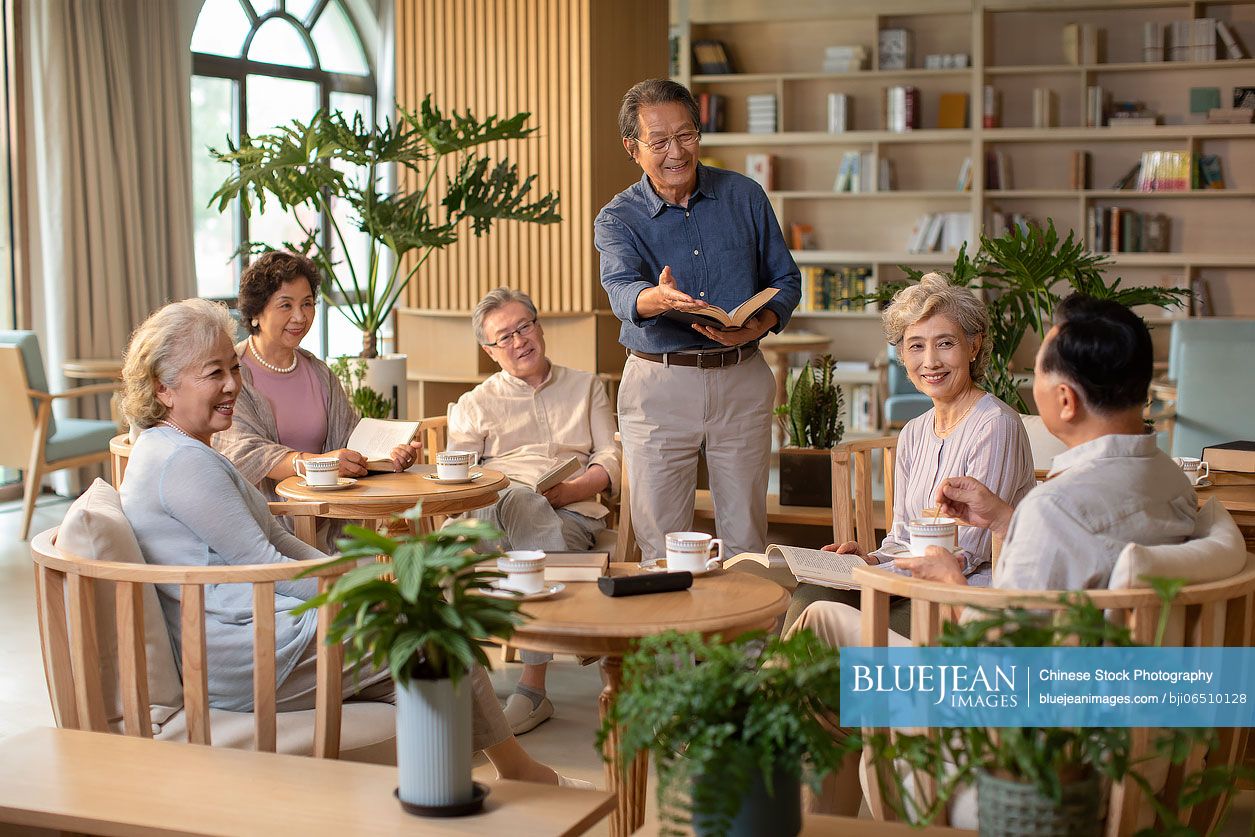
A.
pixel 291 406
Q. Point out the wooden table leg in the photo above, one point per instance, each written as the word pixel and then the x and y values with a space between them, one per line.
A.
pixel 626 781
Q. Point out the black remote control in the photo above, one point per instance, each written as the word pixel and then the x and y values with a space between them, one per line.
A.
pixel 637 585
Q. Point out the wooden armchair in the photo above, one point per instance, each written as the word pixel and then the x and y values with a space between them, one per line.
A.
pixel 1215 613
pixel 31 439
pixel 853 510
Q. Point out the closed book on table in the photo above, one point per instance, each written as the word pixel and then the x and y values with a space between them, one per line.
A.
pixel 576 566
pixel 1231 456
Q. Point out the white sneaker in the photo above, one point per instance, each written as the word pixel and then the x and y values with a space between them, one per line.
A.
pixel 522 717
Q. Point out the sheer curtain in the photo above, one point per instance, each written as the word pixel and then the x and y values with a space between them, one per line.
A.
pixel 109 200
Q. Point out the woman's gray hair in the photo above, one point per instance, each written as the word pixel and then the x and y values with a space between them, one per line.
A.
pixel 172 338
pixel 654 91
pixel 493 300
pixel 935 294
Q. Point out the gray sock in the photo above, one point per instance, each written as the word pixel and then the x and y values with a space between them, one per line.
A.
pixel 531 694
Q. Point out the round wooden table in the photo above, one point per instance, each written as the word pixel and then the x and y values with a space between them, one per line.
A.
pixel 582 620
pixel 379 496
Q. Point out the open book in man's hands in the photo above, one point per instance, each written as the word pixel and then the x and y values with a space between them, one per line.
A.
pixel 557 474
pixel 374 439
pixel 814 566
pixel 716 317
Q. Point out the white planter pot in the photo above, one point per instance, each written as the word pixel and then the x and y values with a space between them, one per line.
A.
pixel 434 742
pixel 386 375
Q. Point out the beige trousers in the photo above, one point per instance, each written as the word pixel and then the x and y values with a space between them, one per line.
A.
pixel 666 415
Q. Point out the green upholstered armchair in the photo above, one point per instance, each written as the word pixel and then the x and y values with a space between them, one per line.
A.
pixel 31 439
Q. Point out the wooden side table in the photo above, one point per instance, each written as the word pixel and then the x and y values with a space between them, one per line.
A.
pixel 582 621
pixel 100 783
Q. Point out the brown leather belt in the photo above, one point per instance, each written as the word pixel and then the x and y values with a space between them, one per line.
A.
pixel 713 359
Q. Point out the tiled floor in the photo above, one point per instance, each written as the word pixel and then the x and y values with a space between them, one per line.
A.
pixel 565 742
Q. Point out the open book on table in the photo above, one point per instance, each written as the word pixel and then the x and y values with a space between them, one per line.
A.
pixel 557 474
pixel 374 439
pixel 813 566
pixel 718 318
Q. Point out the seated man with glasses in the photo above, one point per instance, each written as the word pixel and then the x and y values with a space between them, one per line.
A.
pixel 523 421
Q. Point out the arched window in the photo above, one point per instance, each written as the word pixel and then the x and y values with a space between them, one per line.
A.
pixel 257 64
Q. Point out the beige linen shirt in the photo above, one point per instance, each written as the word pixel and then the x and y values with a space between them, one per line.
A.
pixel 1067 533
pixel 523 432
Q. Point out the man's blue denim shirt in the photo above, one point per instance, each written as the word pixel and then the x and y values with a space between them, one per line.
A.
pixel 724 248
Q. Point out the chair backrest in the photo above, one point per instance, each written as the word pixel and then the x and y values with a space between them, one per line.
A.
pixel 1213 613
pixel 17 426
pixel 73 639
pixel 119 456
pixel 1215 391
pixel 853 510
pixel 1205 328
pixel 434 434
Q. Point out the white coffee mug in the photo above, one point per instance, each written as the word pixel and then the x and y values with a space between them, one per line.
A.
pixel 1196 469
pixel 322 470
pixel 930 531
pixel 524 569
pixel 456 464
pixel 690 551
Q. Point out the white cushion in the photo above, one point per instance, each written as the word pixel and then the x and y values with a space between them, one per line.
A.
pixel 1215 551
pixel 367 731
pixel 1041 442
pixel 94 528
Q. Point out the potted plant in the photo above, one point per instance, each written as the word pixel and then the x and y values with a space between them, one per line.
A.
pixel 1022 275
pixel 1052 775
pixel 427 626
pixel 734 735
pixel 332 163
pixel 352 374
pixel 811 418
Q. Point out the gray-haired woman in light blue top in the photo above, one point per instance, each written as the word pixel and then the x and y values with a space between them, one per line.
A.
pixel 189 506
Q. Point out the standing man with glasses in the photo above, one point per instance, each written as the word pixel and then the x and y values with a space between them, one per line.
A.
pixel 683 237
pixel 522 421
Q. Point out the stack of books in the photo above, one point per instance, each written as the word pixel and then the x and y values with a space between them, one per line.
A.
pixel 941 231
pixel 1197 39
pixel 856 172
pixel 1045 108
pixel 830 289
pixel 1080 170
pixel 901 107
pixel 845 59
pixel 1083 43
pixel 762 113
pixel 1095 106
pixel 1165 171
pixel 1131 114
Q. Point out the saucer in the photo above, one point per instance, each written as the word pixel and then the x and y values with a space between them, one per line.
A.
pixel 656 568
pixel 1205 482
pixel 501 593
pixel 461 481
pixel 344 482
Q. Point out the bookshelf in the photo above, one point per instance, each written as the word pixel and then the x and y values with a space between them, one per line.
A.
pixel 1014 46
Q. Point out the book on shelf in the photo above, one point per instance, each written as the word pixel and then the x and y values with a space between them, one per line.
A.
pixel 1045 108
pixel 712 111
pixel 991 107
pixel 940 231
pixel 375 438
pixel 838 113
pixel 845 59
pixel 710 57
pixel 999 222
pixel 1154 41
pixel 716 317
pixel 1165 171
pixel 1124 120
pixel 952 111
pixel 1230 116
pixel 1231 456
pixel 1200 298
pixel 813 566
pixel 1080 170
pixel 856 172
pixel 1117 229
pixel 1095 106
pixel 1082 43
pixel 895 49
pixel 997 171
pixel 900 105
pixel 1207 172
pixel 801 236
pixel 1233 47
pixel 964 182
pixel 1129 180
pixel 831 288
pixel 762 112
pixel 886 176
pixel 761 169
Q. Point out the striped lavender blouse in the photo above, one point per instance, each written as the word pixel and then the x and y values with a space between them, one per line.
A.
pixel 990 444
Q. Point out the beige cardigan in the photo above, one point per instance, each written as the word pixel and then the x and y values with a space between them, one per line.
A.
pixel 252 442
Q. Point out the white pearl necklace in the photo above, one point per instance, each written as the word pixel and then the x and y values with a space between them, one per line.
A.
pixel 281 370
pixel 177 429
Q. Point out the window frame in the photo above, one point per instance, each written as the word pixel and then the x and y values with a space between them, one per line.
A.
pixel 238 68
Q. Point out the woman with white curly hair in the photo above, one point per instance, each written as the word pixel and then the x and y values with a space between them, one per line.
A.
pixel 941 333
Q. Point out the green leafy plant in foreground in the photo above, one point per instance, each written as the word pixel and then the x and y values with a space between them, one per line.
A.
pixel 1045 757
pixel 352 375
pixel 430 622
pixel 752 704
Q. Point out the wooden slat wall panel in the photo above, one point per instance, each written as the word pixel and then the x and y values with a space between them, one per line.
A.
pixel 567 62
